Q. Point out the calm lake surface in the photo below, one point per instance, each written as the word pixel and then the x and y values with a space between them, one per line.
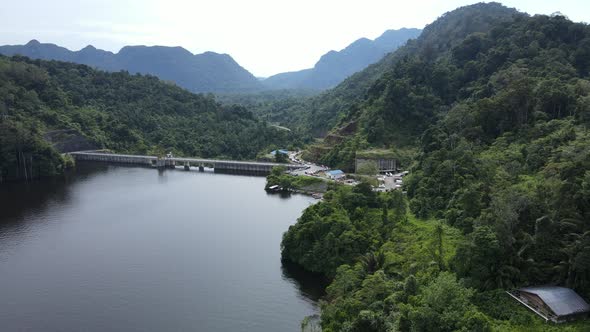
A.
pixel 133 249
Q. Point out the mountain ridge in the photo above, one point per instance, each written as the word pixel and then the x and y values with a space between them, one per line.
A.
pixel 51 107
pixel 489 112
pixel 340 102
pixel 334 66
pixel 204 72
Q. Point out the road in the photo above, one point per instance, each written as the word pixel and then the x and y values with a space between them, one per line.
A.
pixel 310 168
pixel 389 182
pixel 394 181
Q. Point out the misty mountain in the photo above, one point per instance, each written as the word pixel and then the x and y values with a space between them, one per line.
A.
pixel 206 72
pixel 333 67
pixel 436 40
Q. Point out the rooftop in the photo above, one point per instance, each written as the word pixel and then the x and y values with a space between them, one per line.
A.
pixel 562 301
pixel 335 172
pixel 273 152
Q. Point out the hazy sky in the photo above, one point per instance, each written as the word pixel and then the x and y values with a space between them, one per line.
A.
pixel 264 36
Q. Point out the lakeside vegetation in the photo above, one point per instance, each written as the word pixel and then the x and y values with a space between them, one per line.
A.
pixel 496 105
pixel 489 109
pixel 301 183
pixel 392 271
pixel 117 111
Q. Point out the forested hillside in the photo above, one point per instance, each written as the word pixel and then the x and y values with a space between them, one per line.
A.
pixel 206 72
pixel 497 106
pixel 274 106
pixel 47 100
pixel 435 41
pixel 320 114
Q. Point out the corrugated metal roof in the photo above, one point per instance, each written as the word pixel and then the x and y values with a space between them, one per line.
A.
pixel 273 152
pixel 562 301
pixel 335 172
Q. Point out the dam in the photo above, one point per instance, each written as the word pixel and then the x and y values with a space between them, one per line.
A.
pixel 166 162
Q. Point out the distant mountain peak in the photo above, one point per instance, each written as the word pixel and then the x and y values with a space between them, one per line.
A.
pixel 205 72
pixel 361 41
pixel 334 66
pixel 392 32
pixel 436 40
pixel 213 53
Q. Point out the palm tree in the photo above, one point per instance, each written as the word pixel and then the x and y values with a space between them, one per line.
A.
pixel 372 261
pixel 438 245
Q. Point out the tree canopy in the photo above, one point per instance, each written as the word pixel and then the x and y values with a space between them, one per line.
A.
pixel 496 104
pixel 118 111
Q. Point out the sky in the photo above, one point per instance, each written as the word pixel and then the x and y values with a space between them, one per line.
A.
pixel 264 36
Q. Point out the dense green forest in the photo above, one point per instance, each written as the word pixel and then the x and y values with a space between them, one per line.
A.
pixel 118 111
pixel 317 115
pixel 273 106
pixel 498 108
pixel 489 110
pixel 392 102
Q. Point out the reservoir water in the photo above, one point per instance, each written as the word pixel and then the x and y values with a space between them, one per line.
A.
pixel 112 248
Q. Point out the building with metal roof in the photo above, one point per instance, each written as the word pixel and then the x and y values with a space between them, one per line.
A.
pixel 335 174
pixel 557 304
pixel 273 152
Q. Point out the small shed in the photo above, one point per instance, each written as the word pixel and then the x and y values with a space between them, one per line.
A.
pixel 281 151
pixel 557 304
pixel 335 174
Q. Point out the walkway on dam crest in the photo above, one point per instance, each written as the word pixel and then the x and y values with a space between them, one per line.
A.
pixel 216 164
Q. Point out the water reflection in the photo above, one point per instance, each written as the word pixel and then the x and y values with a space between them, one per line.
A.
pixel 161 175
pixel 280 194
pixel 21 201
pixel 131 248
pixel 310 285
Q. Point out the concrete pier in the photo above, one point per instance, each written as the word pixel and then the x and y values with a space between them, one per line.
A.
pixel 218 165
